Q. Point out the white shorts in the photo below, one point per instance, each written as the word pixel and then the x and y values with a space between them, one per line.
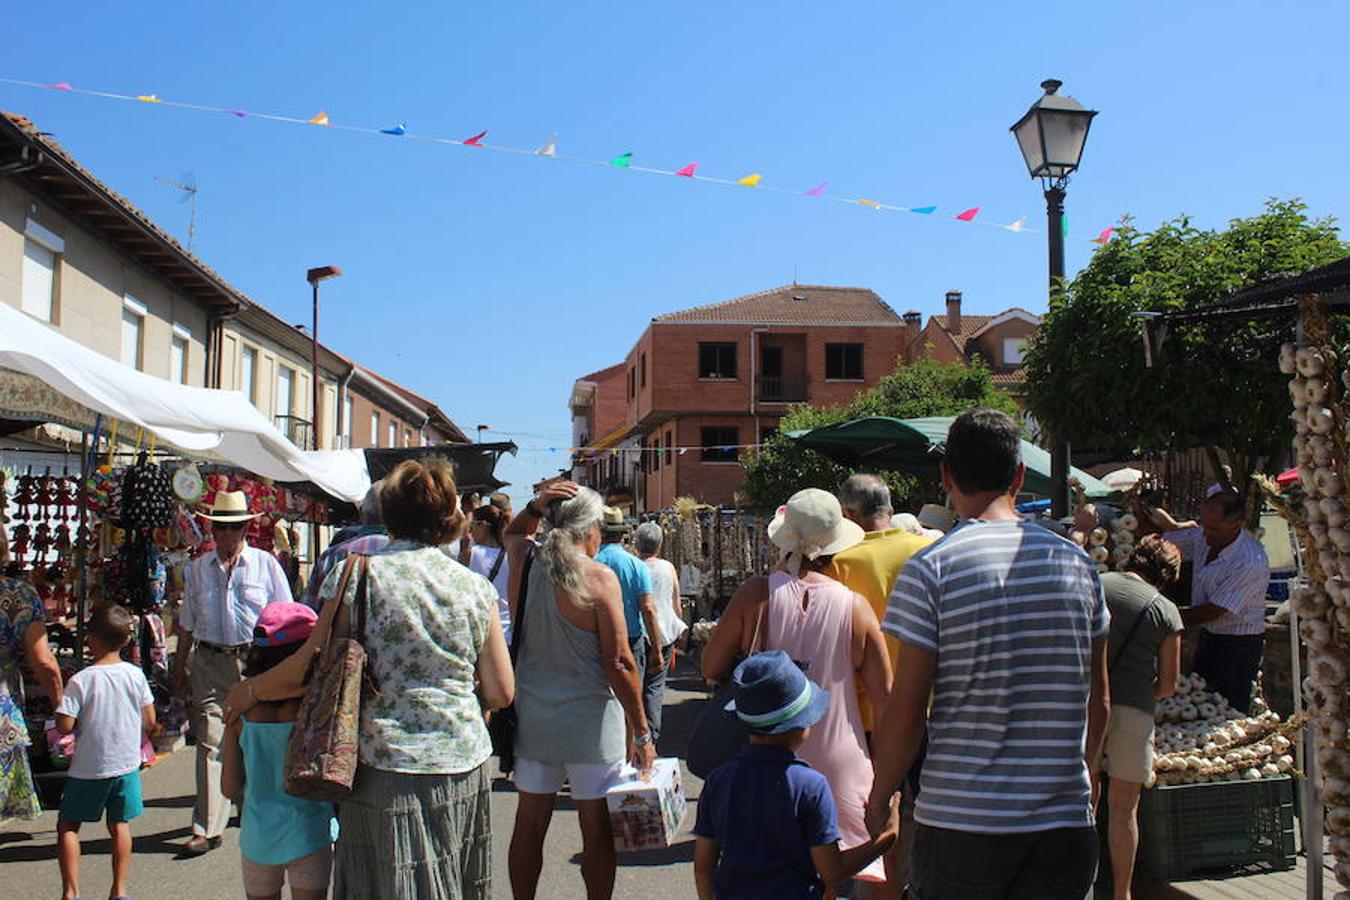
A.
pixel 589 781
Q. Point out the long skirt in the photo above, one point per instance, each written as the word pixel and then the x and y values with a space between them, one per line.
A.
pixel 415 837
pixel 18 798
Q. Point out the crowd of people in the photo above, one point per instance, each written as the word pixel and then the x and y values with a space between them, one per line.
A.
pixel 932 705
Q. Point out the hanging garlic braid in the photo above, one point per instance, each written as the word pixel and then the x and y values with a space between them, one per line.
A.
pixel 569 522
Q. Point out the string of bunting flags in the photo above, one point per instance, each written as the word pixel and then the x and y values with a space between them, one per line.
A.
pixel 615 451
pixel 549 150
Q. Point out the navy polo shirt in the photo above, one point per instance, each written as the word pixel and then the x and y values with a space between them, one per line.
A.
pixel 766 809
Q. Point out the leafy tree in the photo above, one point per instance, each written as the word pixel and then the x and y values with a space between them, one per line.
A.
pixel 1216 384
pixel 927 388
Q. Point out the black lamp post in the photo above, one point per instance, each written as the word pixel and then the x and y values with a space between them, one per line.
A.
pixel 314 276
pixel 1051 137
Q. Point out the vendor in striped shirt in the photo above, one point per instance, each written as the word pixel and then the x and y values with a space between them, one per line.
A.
pixel 1004 624
pixel 1229 578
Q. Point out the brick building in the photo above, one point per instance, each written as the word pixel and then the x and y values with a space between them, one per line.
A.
pixel 702 383
pixel 999 341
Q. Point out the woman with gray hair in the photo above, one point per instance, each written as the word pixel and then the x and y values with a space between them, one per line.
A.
pixel 578 695
pixel 669 616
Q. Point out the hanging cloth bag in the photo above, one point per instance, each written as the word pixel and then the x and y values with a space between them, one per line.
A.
pixel 321 757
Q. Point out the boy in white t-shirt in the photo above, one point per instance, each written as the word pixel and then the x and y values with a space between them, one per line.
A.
pixel 109 707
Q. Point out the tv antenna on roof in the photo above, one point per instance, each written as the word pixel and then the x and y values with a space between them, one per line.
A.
pixel 188 185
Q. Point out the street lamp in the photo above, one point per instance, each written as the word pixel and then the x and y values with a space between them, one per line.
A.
pixel 1051 137
pixel 314 276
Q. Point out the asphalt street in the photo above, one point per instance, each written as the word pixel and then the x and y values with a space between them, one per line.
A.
pixel 28 867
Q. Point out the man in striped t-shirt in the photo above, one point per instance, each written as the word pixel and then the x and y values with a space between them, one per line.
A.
pixel 1004 625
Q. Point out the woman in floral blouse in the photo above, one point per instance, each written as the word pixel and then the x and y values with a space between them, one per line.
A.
pixel 416 824
pixel 23 638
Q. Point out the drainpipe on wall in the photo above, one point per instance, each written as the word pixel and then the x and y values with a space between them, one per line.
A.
pixel 212 351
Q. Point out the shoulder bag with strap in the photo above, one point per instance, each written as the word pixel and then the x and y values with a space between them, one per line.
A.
pixel 1134 629
pixel 321 757
pixel 718 736
pixel 502 726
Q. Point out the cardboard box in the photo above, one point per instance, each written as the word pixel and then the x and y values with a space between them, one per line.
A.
pixel 647 815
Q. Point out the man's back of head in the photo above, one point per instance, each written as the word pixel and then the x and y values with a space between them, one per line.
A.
pixel 984 449
pixel 866 500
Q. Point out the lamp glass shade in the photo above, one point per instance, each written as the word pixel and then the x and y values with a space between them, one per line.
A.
pixel 1053 133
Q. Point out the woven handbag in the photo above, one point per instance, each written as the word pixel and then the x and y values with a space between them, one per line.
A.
pixel 321 756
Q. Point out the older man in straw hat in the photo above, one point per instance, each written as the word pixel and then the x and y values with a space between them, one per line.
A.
pixel 223 593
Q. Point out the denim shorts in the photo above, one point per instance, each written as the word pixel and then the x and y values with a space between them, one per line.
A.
pixel 88 799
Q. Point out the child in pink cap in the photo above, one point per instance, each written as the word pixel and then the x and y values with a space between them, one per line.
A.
pixel 281 838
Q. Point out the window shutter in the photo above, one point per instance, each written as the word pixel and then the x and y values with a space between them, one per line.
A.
pixel 39 266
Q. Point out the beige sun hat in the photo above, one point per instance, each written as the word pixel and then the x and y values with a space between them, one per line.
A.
pixel 812 524
pixel 613 522
pixel 228 506
pixel 937 517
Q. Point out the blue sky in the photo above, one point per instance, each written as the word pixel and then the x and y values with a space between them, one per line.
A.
pixel 489 282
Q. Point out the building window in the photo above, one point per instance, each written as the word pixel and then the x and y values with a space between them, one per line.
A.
pixel 632 383
pixel 716 360
pixel 178 354
pixel 133 332
pixel 393 434
pixel 285 390
pixel 374 429
pixel 644 370
pixel 766 434
pixel 1014 350
pixel 347 418
pixel 249 374
pixel 670 447
pixel 407 438
pixel 844 362
pixel 719 443
pixel 39 280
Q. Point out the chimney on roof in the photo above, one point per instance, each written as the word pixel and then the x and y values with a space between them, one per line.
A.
pixel 913 327
pixel 954 312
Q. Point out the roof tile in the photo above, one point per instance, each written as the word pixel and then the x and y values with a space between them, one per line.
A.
pixel 819 305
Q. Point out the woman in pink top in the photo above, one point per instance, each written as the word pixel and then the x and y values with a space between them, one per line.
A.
pixel 825 627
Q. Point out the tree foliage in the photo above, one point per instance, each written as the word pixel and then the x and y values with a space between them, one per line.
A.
pixel 927 388
pixel 1216 383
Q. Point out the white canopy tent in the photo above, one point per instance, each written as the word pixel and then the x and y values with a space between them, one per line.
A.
pixel 48 373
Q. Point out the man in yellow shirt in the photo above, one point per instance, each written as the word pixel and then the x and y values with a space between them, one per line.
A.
pixel 871 568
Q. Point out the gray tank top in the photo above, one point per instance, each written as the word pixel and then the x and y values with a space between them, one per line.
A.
pixel 566 710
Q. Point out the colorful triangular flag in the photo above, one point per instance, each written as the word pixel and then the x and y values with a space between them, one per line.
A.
pixel 476 140
pixel 817 190
pixel 1064 224
pixel 237 113
pixel 871 203
pixel 149 98
pixel 683 451
pixel 1018 225
pixel 923 210
pixel 60 86
pixel 550 147
pixel 969 215
pixel 320 119
pixel 751 180
pixel 1105 237
pixel 397 130
pixel 687 171
pixel 622 161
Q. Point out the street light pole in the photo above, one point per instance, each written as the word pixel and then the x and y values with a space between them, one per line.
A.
pixel 314 276
pixel 1051 136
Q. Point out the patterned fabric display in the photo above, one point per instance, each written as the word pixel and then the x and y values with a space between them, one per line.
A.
pixel 20 606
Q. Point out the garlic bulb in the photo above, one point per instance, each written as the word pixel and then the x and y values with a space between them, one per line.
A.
pixel 1338 821
pixel 1309 602
pixel 1327 481
pixel 1315 633
pixel 1317 390
pixel 1129 522
pixel 1325 670
pixel 1288 358
pixel 1099 553
pixel 1309 361
pixel 1298 392
pixel 1333 511
pixel 1320 419
pixel 1098 537
pixel 1300 421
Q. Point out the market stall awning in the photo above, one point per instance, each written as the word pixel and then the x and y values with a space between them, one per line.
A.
pixel 916 446
pixel 45 376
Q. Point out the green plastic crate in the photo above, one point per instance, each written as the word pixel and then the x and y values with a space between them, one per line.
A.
pixel 1188 828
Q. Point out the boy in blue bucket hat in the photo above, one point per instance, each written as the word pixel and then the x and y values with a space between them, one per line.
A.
pixel 766 822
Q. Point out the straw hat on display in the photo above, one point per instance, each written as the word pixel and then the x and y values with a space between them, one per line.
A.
pixel 810 525
pixel 228 506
